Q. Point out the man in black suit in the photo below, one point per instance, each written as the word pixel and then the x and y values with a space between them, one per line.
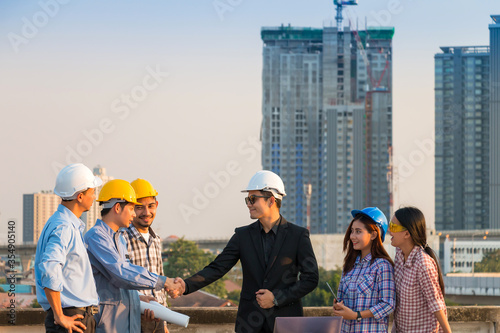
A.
pixel 272 252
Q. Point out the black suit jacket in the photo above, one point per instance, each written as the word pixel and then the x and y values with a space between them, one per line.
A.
pixel 292 253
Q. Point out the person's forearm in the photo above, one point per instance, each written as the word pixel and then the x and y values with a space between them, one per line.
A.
pixel 443 321
pixel 366 314
pixel 54 299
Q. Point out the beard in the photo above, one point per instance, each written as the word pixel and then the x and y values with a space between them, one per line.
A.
pixel 142 223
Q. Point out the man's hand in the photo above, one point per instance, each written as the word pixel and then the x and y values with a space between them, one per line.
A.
pixel 148 315
pixel 265 298
pixel 70 323
pixel 183 284
pixel 147 298
pixel 174 289
pixel 339 309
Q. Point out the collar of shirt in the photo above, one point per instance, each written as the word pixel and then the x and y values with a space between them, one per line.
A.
pixel 367 258
pixel 77 223
pixel 136 234
pixel 275 227
pixel 102 225
pixel 411 258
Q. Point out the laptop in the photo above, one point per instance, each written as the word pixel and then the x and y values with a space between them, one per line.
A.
pixel 308 325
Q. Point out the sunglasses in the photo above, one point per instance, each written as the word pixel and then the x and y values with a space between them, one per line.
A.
pixel 251 198
pixel 396 227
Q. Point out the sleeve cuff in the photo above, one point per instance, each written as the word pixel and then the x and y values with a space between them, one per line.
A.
pixel 52 283
pixel 160 283
pixel 277 293
pixel 437 306
pixel 381 311
pixel 377 313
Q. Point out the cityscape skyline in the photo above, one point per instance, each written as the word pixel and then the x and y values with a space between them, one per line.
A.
pixel 161 98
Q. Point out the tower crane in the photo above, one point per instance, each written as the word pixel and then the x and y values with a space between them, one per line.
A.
pixel 340 4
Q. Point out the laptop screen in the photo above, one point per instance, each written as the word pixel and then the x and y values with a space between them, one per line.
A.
pixel 308 324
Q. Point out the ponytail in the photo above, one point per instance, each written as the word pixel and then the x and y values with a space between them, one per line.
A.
pixel 432 254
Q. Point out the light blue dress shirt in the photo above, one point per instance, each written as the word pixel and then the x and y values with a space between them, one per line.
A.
pixel 117 280
pixel 62 263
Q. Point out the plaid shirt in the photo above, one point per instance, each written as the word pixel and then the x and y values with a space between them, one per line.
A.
pixel 147 256
pixel 368 286
pixel 418 293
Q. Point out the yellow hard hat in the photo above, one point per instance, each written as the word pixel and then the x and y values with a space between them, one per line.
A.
pixel 143 188
pixel 117 189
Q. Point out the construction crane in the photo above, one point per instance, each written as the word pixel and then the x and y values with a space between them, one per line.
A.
pixel 373 88
pixel 340 4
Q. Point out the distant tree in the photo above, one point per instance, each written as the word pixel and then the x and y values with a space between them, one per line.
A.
pixel 234 296
pixel 489 264
pixel 35 304
pixel 318 297
pixel 3 280
pixel 2 290
pixel 186 259
pixel 322 296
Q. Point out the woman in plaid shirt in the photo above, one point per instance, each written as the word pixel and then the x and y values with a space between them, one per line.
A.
pixel 419 282
pixel 366 294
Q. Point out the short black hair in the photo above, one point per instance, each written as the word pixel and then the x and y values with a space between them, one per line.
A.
pixel 278 201
pixel 105 211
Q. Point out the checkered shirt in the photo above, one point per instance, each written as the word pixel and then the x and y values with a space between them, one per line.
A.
pixel 146 255
pixel 368 286
pixel 417 292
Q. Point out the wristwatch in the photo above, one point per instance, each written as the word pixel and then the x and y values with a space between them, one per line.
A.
pixel 358 319
pixel 275 302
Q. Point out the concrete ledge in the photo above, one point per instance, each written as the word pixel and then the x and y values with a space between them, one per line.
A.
pixel 23 317
pixel 218 316
pixel 204 316
pixel 474 313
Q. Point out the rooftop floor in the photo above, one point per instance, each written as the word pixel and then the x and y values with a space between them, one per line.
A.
pixel 221 320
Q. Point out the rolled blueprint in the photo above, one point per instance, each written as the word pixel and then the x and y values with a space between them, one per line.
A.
pixel 166 314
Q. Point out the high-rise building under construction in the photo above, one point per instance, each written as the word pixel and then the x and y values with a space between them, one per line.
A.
pixel 327 121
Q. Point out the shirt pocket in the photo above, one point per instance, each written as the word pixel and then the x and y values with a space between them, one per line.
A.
pixel 366 283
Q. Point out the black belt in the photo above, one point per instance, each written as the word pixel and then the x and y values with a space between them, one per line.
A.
pixel 92 309
pixel 89 309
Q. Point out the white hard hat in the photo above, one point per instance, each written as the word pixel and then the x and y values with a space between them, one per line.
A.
pixel 73 179
pixel 266 180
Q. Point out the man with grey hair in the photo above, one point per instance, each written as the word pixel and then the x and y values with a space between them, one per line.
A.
pixel 65 286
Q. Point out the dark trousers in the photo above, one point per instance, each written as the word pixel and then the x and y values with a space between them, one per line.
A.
pixel 88 320
pixel 152 326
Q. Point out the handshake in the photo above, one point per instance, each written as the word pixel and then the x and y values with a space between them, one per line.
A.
pixel 175 287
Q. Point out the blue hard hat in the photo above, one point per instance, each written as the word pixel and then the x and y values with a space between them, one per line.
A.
pixel 376 216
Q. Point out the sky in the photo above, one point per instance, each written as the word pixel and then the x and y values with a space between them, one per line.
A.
pixel 171 91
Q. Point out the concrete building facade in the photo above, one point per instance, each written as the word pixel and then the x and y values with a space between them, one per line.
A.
pixel 327 120
pixel 462 80
pixel 494 120
pixel 461 254
pixel 37 208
